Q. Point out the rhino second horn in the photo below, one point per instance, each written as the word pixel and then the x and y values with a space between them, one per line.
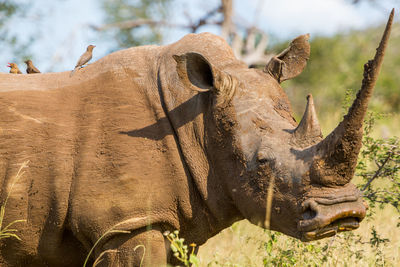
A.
pixel 337 154
pixel 308 131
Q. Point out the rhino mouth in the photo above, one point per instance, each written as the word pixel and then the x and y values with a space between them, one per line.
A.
pixel 323 218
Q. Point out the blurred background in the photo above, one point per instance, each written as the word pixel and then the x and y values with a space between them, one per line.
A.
pixel 54 33
pixel 344 35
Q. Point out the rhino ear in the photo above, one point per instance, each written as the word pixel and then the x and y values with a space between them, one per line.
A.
pixel 291 61
pixel 196 73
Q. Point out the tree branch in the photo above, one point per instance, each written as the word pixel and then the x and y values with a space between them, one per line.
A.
pixel 378 171
pixel 246 49
pixel 227 11
pixel 130 24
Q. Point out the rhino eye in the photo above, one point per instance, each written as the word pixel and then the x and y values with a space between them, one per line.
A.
pixel 265 155
pixel 263 160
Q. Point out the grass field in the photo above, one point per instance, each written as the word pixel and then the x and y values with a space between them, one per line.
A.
pixel 244 244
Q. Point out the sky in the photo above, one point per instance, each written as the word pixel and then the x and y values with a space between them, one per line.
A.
pixel 64 28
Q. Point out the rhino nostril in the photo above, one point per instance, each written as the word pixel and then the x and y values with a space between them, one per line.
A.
pixel 309 213
pixel 309 209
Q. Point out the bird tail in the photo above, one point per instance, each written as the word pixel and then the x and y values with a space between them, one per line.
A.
pixel 72 72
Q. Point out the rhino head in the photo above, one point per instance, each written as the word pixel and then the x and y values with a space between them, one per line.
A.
pixel 278 173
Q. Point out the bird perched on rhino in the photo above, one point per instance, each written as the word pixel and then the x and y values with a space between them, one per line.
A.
pixel 14 68
pixel 30 68
pixel 84 58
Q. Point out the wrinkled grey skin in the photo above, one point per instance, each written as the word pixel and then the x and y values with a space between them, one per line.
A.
pixel 183 137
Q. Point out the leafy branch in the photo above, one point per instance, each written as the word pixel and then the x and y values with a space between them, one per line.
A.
pixel 180 250
pixel 379 160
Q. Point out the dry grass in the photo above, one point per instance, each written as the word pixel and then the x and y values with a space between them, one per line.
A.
pixel 244 244
pixel 99 258
pixel 7 232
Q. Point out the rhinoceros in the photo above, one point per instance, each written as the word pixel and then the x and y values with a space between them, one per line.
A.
pixel 158 138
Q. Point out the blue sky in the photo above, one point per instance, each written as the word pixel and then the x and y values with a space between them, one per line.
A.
pixel 64 32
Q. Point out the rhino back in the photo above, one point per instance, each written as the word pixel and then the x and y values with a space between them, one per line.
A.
pixel 101 152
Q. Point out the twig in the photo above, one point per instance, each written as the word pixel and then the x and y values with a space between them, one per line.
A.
pixel 144 252
pixel 99 258
pixel 383 191
pixel 268 206
pixel 205 19
pixel 378 171
pixel 226 24
pixel 333 239
pixel 111 231
pixel 130 24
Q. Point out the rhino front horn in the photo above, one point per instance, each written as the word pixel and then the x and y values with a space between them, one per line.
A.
pixel 336 155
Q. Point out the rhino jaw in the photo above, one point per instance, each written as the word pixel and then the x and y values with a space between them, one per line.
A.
pixel 323 218
pixel 346 224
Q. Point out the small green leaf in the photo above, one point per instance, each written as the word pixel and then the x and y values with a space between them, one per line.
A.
pixel 194 260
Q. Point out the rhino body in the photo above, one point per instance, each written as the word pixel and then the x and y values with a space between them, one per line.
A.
pixel 153 139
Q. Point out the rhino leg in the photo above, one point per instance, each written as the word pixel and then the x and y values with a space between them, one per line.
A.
pixel 120 250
